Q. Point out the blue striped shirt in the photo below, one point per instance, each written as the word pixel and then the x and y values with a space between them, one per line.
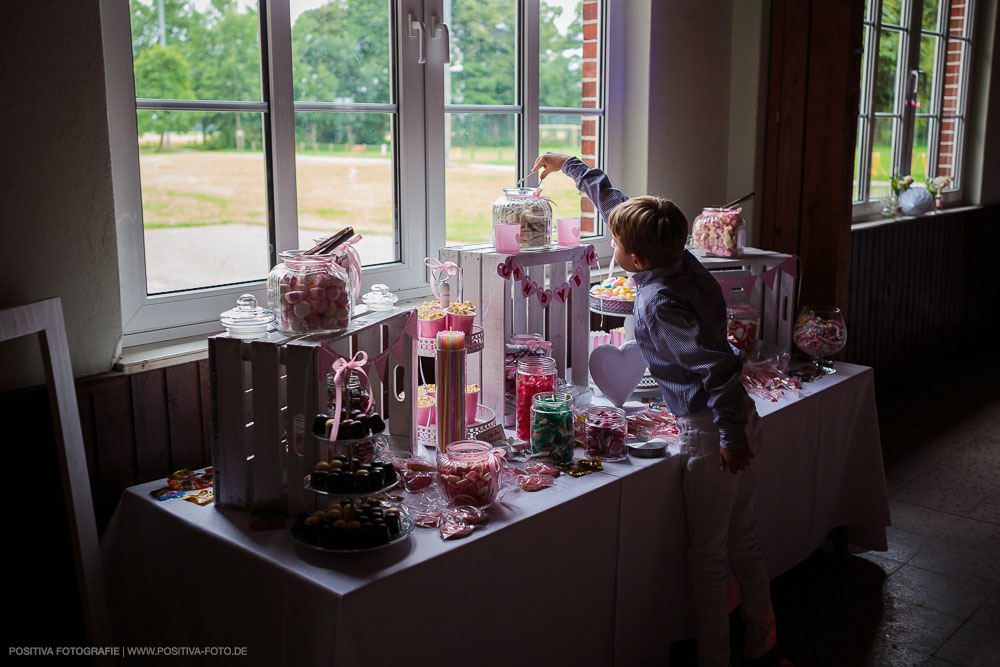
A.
pixel 680 325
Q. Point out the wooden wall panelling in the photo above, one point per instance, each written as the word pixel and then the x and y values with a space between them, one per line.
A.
pixel 149 417
pixel 785 125
pixel 184 417
pixel 114 435
pixel 828 149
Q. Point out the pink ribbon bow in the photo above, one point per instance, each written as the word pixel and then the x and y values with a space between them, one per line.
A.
pixel 440 272
pixel 357 364
pixel 353 259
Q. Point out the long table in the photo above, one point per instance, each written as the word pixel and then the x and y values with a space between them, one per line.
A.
pixel 591 571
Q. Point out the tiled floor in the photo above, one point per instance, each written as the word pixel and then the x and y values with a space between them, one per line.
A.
pixel 933 599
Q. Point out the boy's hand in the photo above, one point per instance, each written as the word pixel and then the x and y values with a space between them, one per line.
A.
pixel 734 459
pixel 549 162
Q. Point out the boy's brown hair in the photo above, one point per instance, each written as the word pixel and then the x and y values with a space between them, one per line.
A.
pixel 651 227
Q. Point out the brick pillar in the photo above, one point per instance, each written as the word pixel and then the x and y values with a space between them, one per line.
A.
pixel 588 135
pixel 952 82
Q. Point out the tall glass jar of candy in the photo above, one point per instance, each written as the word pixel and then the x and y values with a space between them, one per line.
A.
pixel 525 207
pixel 552 426
pixel 720 232
pixel 534 375
pixel 309 293
pixel 469 472
pixel 517 347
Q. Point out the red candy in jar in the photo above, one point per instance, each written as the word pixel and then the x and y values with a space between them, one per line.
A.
pixel 606 433
pixel 469 472
pixel 534 375
pixel 744 322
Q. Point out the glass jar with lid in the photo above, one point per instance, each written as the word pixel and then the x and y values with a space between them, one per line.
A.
pixel 469 472
pixel 247 320
pixel 527 208
pixel 534 375
pixel 743 325
pixel 720 232
pixel 309 294
pixel 552 426
pixel 605 434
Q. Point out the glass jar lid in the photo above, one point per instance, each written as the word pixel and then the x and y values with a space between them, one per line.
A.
pixel 247 319
pixel 380 298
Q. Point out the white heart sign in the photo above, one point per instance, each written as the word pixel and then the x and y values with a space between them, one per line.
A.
pixel 617 371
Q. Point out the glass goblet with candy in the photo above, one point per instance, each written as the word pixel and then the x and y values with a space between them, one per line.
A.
pixel 821 333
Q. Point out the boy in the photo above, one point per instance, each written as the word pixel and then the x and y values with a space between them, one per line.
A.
pixel 680 325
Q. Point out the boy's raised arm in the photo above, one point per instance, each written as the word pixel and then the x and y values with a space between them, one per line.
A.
pixel 589 180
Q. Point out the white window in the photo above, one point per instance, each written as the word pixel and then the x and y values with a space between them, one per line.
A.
pixel 914 85
pixel 263 125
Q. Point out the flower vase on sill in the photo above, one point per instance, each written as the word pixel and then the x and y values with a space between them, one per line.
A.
pixel 890 206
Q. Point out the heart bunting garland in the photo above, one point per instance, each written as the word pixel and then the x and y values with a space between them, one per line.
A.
pixel 510 268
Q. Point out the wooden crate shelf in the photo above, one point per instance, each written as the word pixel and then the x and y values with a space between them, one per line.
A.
pixel 266 392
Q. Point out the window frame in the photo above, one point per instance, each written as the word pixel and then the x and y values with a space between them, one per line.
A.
pixel 418 152
pixel 905 99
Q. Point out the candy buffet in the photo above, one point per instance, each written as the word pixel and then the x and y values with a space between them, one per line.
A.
pixel 457 460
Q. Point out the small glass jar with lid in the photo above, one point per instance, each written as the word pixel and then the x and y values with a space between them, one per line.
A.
pixel 309 294
pixel 527 208
pixel 552 426
pixel 534 375
pixel 720 232
pixel 605 434
pixel 247 320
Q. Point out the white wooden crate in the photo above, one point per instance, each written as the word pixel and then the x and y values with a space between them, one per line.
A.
pixel 266 393
pixel 776 306
pixel 503 311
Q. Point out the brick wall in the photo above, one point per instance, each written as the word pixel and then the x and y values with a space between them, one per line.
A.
pixel 952 82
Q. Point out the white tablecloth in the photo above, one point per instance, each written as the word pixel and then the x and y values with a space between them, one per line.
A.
pixel 588 572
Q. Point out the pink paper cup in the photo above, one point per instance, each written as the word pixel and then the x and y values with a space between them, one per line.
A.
pixel 471 402
pixel 568 232
pixel 461 323
pixel 507 238
pixel 427 416
pixel 430 328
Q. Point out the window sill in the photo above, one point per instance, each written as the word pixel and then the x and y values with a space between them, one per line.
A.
pixel 881 222
pixel 150 356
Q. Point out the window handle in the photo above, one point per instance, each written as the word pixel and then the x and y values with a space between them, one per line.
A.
pixel 420 32
pixel 914 85
pixel 437 28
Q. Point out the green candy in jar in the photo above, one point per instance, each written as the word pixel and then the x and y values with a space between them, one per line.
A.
pixel 552 426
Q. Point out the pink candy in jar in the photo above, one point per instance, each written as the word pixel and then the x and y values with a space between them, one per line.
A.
pixel 469 472
pixel 720 232
pixel 606 432
pixel 309 293
pixel 534 375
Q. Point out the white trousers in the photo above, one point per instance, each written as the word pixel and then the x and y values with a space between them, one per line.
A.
pixel 722 526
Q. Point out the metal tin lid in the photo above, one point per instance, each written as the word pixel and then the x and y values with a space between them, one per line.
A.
pixel 247 319
pixel 649 449
pixel 380 298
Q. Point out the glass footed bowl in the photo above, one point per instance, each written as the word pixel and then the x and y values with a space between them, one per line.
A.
pixel 820 332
